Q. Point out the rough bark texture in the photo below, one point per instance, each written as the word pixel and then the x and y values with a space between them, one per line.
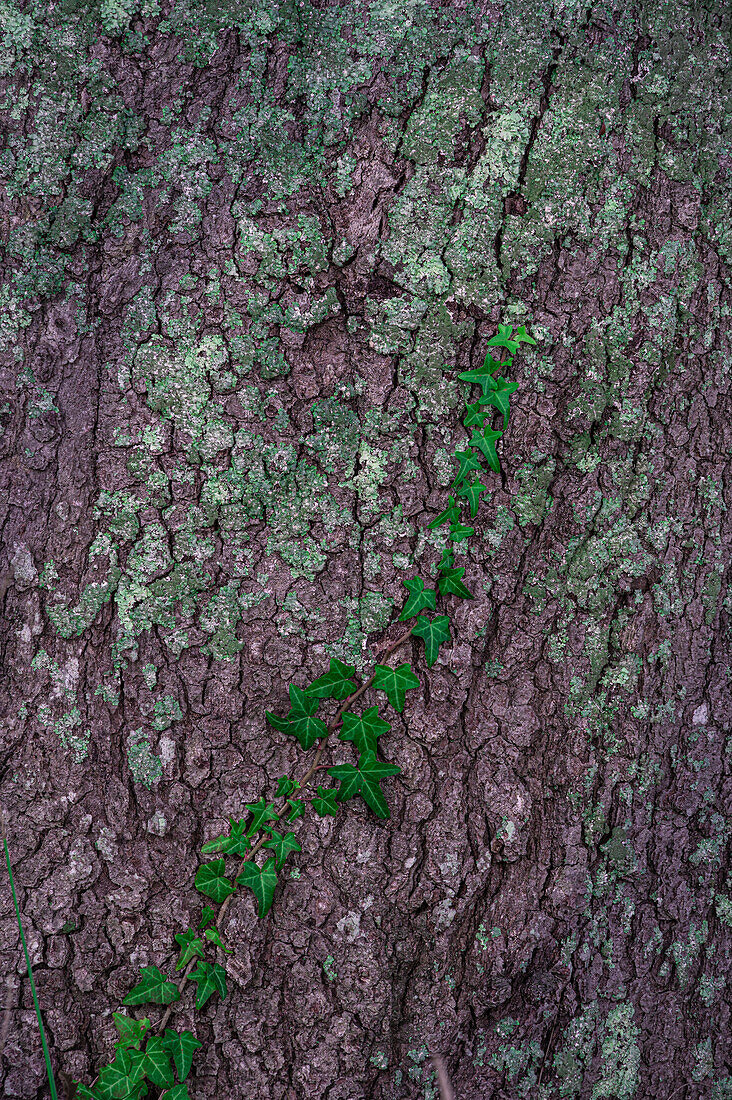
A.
pixel 245 249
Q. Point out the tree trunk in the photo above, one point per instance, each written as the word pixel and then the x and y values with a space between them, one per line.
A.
pixel 247 248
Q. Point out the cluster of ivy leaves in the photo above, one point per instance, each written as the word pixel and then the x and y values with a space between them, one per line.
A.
pixel 169 1055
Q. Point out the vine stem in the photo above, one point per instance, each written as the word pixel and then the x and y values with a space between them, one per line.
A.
pixel 305 779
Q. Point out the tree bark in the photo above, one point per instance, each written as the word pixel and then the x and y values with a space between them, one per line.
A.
pixel 246 248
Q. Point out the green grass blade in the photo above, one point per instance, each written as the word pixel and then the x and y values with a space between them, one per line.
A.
pixel 49 1070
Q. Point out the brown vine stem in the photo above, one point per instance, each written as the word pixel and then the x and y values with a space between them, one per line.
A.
pixel 305 779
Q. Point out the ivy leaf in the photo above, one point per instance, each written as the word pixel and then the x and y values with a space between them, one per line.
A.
pixel 334 684
pixel 472 493
pixel 434 632
pixel 285 786
pixel 503 339
pixel 395 682
pixel 486 443
pixel 123 1077
pixel 181 1047
pixel 154 988
pixel 298 807
pixel 448 560
pixel 282 846
pixel 83 1092
pixel 419 598
pixel 210 978
pixel 261 882
pixel 363 729
pixel 212 934
pixel 450 513
pixel 482 375
pixel 190 945
pixel 206 916
pixel 500 397
pixel 458 532
pixel 467 462
pixel 233 843
pixel 131 1032
pixel 211 881
pixel 325 802
pixel 261 811
pixel 178 1092
pixel 364 780
pixel 300 722
pixel 476 414
pixel 451 585
pixel 157 1063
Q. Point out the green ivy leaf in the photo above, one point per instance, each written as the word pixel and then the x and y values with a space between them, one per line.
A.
pixel 154 988
pixel 233 843
pixel 448 560
pixel 300 722
pixel 212 934
pixel 472 493
pixel 468 462
pixel 325 803
pixel 286 786
pixel 334 684
pixel 298 808
pixel 84 1092
pixel 482 376
pixel 459 531
pixel 419 598
pixel 486 444
pixel 364 780
pixel 206 916
pixel 157 1063
pixel 282 846
pixel 451 513
pixel 503 339
pixel 181 1047
pixel 131 1032
pixel 434 632
pixel 190 945
pixel 451 585
pixel 261 882
pixel 178 1092
pixel 261 811
pixel 363 729
pixel 211 881
pixel 210 978
pixel 123 1077
pixel 395 682
pixel 500 397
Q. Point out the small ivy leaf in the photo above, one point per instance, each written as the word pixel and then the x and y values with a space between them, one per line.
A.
pixel 210 978
pixel 503 339
pixel 181 1047
pixel 157 1063
pixel 486 444
pixel 448 560
pixel 261 811
pixel 190 945
pixel 233 843
pixel 206 916
pixel 458 532
pixel 334 684
pixel 285 786
pixel 450 513
pixel 282 846
pixel 261 882
pixel 472 494
pixel 325 803
pixel 476 414
pixel 131 1032
pixel 500 397
pixel 211 881
pixel 467 462
pixel 451 585
pixel 363 729
pixel 434 632
pixel 300 722
pixel 212 934
pixel 178 1092
pixel 482 376
pixel 365 780
pixel 419 598
pixel 123 1077
pixel 154 988
pixel 298 807
pixel 395 682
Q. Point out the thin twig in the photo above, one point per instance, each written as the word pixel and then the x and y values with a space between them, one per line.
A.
pixel 443 1081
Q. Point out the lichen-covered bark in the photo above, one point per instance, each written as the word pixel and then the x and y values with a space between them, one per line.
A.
pixel 245 248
